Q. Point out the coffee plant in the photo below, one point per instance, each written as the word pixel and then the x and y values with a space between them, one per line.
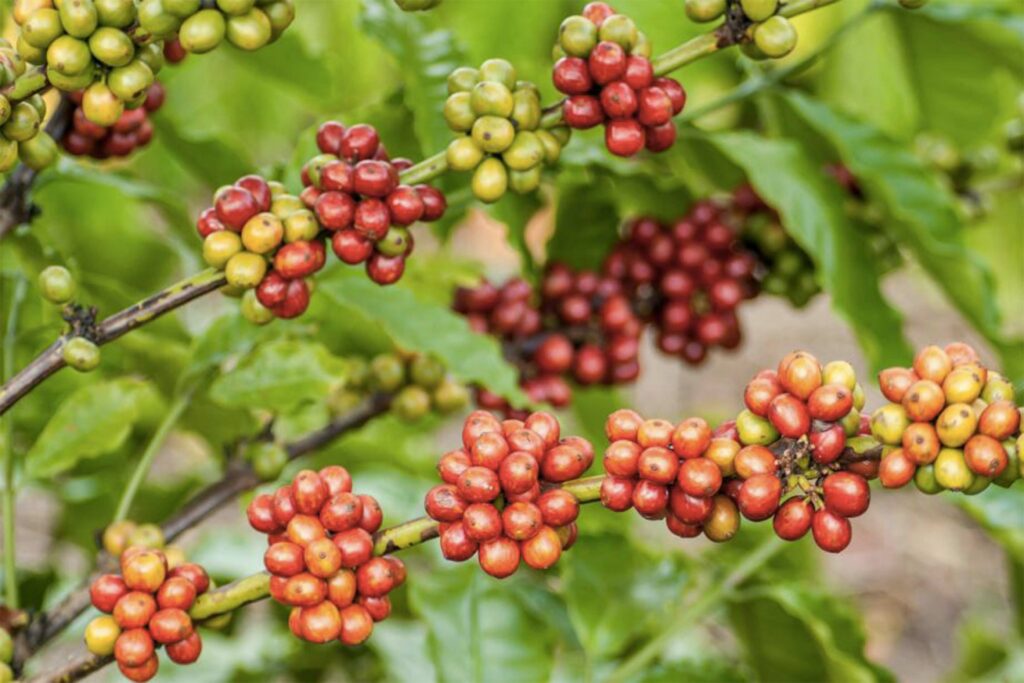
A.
pixel 578 243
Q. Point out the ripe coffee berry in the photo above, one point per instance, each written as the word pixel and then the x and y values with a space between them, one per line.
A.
pixel 607 75
pixel 321 554
pixel 130 131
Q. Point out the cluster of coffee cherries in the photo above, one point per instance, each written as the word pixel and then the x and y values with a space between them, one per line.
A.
pixel 690 275
pixel 605 71
pixel 502 142
pixel 146 606
pixel 21 134
pixel 419 382
pixel 770 35
pixel 952 424
pixel 132 130
pixel 321 557
pixel 499 500
pixel 355 193
pixel 57 285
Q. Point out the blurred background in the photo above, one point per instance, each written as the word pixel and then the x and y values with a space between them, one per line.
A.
pixel 925 107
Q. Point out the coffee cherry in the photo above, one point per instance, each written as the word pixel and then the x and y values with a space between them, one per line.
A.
pixel 827 444
pixel 999 420
pixel 888 424
pixel 284 559
pixel 624 137
pixel 831 531
pixel 704 10
pixel 81 354
pixel 499 557
pixel 921 443
pixel 923 401
pixel 759 496
pixel 793 519
pixel 753 429
pixel 356 625
pixel 846 494
pixel 700 477
pixel 723 521
pixel 956 424
pixel 650 499
pixel 176 593
pixel 658 465
pixel 896 469
pixel 56 284
pixel 170 626
pixel 100 635
pixel 482 522
pixel 617 493
pixel 543 549
pixel 775 37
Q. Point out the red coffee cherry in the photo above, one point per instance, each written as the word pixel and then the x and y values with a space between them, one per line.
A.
pixel 359 142
pixel 691 438
pixel 658 465
pixel 700 477
pixel 518 473
pixel 543 549
pixel 623 424
pixel 582 111
pixel 831 531
pixel 235 206
pixel 846 494
pixel 617 493
pixel 789 415
pixel 133 647
pixel 558 507
pixel 896 469
pixel 304 590
pixel 373 515
pixel 793 519
pixel 444 503
pixel 828 444
pixel 499 557
pixel 456 545
pixel 284 559
pixel 329 136
pixel 304 529
pixel 482 522
pixel 185 651
pixel 356 625
pixel 571 76
pixel 624 137
pixel 322 558
pixel 378 608
pixel 320 623
pixel 106 591
pixel 376 577
pixel 621 458
pixel 650 499
pixel 356 546
pixel 759 496
pixel 176 592
pixel 170 625
pixel 194 573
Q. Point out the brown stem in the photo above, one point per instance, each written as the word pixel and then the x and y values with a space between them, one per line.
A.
pixel 51 360
pixel 15 206
pixel 238 477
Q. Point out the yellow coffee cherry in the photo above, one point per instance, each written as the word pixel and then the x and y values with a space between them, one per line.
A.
pixel 956 424
pixel 100 635
pixel 888 424
pixel 245 269
pixel 220 246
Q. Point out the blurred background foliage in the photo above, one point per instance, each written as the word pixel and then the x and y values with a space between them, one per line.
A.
pixel 907 100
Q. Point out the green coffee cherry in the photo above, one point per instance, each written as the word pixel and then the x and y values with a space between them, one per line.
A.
pixel 462 80
pixel 463 154
pixel 38 103
pixel 450 396
pixel 111 46
pixel 913 4
pixel 851 423
pixel 417 5
pixel 997 388
pixel 6 673
pixel 300 225
pixel 101 105
pixel 458 112
pixel 5 110
pixel 131 81
pixel 81 354
pixel 56 284
pixel 254 311
pixel 23 123
pixel 182 9
pixel 249 31
pixel 72 83
pixel 387 373
pixel 494 134
pixel 29 53
pixel 157 21
pixel 245 269
pixel 235 8
pixel 68 56
pixel 980 484
pixel 620 29
pixel 776 37
pixel 8 154
pixel 286 204
pixel 152 55
pixel 1012 471
pixel 42 28
pixel 522 182
pixel 268 459
pixel 525 152
pixel 426 371
pixel 754 429
pixel 759 10
pixel 578 35
pixel 499 71
pixel 411 403
pixel 6 646
pixel 395 242
pixel 924 480
pixel 203 31
pixel 115 13
pixel 219 247
pixel 79 17
pixel 552 149
pixel 490 180
pixel 313 167
pixel 704 10
pixel 526 110
pixel 281 15
pixel 491 98
pixel 39 152
pixel 562 134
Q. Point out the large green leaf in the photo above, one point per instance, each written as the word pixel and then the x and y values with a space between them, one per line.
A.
pixel 811 208
pixel 279 375
pixel 417 325
pixel 615 594
pixel 923 216
pixel 477 630
pixel 794 632
pixel 426 58
pixel 93 421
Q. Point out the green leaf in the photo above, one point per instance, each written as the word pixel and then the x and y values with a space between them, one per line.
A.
pixel 794 632
pixel 227 337
pixel 998 511
pixel 93 421
pixel 402 646
pixel 616 593
pixel 811 209
pixel 924 219
pixel 279 375
pixel 416 325
pixel 426 58
pixel 586 222
pixel 477 630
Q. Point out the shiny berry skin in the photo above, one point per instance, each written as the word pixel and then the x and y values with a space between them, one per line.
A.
pixel 617 493
pixel 691 437
pixel 832 532
pixel 298 259
pixel 359 142
pixel 554 355
pixel 800 374
pixel 341 588
pixel 700 477
pixel 329 136
pixel 624 137
pixel 170 625
pixel 257 187
pixel 351 246
pixel 337 176
pixel 639 72
pixel 520 521
pixel 545 425
pixel 846 493
pixel 356 625
pixel 828 444
pixel 373 178
pixel 176 592
pixel 341 512
pixel 456 545
pixel 373 515
pixel 499 557
pixel 654 107
pixel 618 100
pixel 235 206
pixel 335 210
pixel 376 578
pixel 208 222
pixel 479 485
pixel 185 651
pixel 322 558
pixel 650 499
pixel 896 469
pixel 793 519
pixel 296 300
pixel 658 464
pixel 607 62
pixel 675 92
pixel 378 608
pixel 564 462
pixel 518 472
pixel 106 591
pixel 482 522
pixel 582 111
pixel 621 458
pixel 372 218
pixel 304 590
pixel 543 549
pixel 453 464
pixel 195 574
pixel 385 270
pixel 894 383
pixel 489 451
pixel 134 647
pixel 309 492
pixel 985 456
pixel 320 623
pixel 434 202
pixel 571 76
pixel 759 496
pixel 759 393
pixel 558 507
pixel 144 571
pixel 660 138
pixel 356 546
pixel 405 204
pixel 789 415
